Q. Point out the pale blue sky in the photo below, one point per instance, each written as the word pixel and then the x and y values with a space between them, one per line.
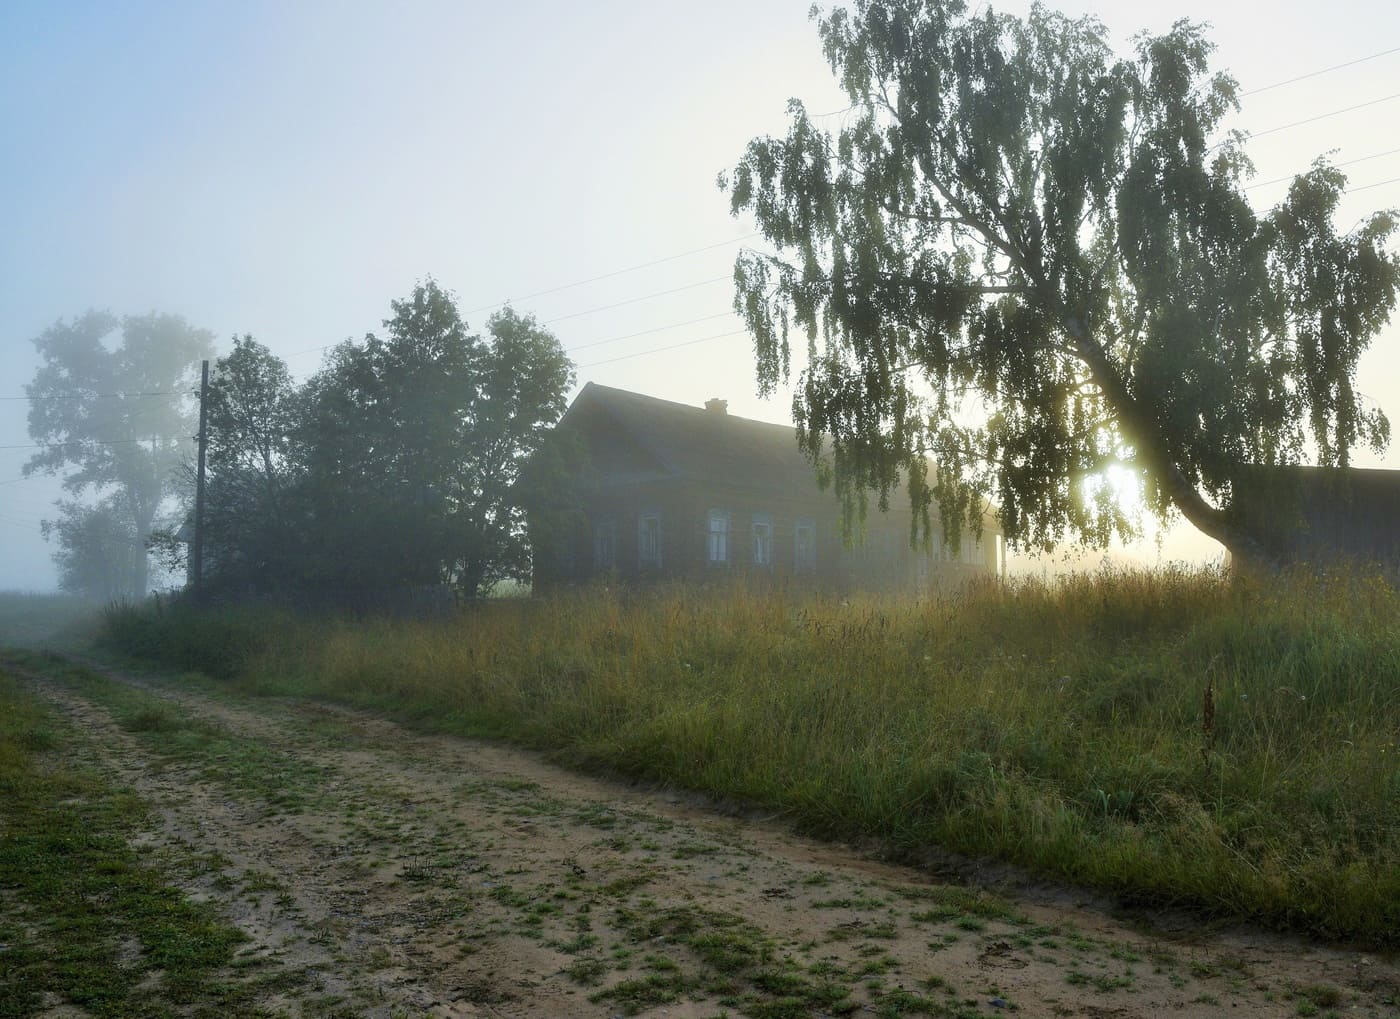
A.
pixel 287 169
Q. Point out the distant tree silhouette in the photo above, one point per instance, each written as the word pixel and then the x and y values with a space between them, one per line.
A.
pixel 93 405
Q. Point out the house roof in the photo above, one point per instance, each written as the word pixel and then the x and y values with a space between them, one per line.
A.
pixel 709 445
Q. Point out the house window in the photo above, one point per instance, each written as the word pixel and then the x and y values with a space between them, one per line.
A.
pixel 649 539
pixel 804 541
pixel 605 543
pixel 762 539
pixel 717 547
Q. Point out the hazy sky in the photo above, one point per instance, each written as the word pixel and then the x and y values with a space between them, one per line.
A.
pixel 287 169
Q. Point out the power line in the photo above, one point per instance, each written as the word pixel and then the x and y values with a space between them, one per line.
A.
pixel 1368 187
pixel 96 442
pixel 615 272
pixel 597 343
pixel 590 311
pixel 94 396
pixel 14 518
pixel 1349 162
pixel 636 300
pixel 658 350
pixel 646 332
pixel 1314 74
pixel 1321 116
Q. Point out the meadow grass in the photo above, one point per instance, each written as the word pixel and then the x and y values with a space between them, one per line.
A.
pixel 29 619
pixel 1177 738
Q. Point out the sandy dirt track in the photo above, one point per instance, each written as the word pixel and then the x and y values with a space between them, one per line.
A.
pixel 393 873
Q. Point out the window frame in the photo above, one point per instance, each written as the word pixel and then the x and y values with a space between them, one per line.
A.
pixel 761 541
pixel 717 538
pixel 604 537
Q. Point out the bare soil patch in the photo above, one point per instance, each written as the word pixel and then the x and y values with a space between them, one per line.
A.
pixel 392 872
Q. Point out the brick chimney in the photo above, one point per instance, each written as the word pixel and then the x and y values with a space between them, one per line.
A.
pixel 717 406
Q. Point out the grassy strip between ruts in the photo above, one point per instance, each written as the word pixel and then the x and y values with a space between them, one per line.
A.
pixel 280 782
pixel 1183 739
pixel 84 919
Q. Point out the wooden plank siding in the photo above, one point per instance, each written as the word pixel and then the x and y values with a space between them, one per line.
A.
pixel 641 456
pixel 882 561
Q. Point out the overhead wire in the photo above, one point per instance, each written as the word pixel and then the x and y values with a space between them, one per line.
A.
pixel 1348 162
pixel 658 350
pixel 637 300
pixel 97 442
pixel 615 272
pixel 1314 74
pixel 97 396
pixel 722 244
pixel 1251 135
pixel 1368 187
pixel 646 332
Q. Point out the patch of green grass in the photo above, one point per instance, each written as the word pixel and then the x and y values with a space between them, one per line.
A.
pixel 588 971
pixel 86 918
pixel 1057 726
pixel 1103 981
pixel 899 1002
pixel 240 763
pixel 639 994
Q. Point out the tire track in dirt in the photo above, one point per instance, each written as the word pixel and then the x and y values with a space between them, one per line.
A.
pixel 454 877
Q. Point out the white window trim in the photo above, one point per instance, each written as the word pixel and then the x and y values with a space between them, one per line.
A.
pixel 717 538
pixel 761 540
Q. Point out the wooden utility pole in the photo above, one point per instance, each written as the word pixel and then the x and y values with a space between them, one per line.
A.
pixel 197 548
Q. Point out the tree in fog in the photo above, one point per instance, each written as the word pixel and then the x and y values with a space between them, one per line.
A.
pixel 112 404
pixel 412 445
pixel 1031 260
pixel 254 522
pixel 97 554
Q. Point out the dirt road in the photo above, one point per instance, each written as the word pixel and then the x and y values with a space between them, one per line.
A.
pixel 392 873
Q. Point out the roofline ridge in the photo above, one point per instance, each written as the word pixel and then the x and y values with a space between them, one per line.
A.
pixel 684 406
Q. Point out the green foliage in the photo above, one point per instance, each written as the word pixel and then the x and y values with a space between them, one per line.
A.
pixel 398 464
pixel 99 553
pixel 254 517
pixel 1024 257
pixel 178 634
pixel 1058 727
pixel 127 446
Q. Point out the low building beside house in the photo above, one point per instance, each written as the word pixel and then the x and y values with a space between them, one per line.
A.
pixel 1324 515
pixel 671 491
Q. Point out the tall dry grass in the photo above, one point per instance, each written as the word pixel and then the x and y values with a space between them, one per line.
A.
pixel 1058 726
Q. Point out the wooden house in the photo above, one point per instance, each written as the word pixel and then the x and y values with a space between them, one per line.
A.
pixel 1321 515
pixel 666 490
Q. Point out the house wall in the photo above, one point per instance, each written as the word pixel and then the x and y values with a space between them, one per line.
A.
pixel 882 561
pixel 1309 515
